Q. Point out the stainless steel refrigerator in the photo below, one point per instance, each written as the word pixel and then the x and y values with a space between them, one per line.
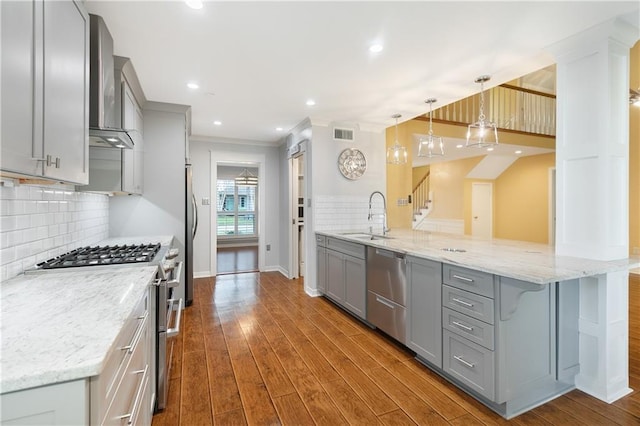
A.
pixel 191 227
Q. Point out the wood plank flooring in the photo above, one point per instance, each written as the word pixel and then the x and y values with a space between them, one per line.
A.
pixel 233 260
pixel 255 349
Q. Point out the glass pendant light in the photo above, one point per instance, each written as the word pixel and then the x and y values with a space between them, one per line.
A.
pixel 482 133
pixel 432 146
pixel 246 178
pixel 396 154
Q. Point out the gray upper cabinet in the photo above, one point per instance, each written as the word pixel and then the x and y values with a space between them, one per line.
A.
pixel 45 90
pixel 424 329
pixel 132 159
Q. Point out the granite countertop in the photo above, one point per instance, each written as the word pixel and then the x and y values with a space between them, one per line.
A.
pixel 60 326
pixel 536 263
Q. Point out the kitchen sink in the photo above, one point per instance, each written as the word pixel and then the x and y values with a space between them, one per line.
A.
pixel 364 236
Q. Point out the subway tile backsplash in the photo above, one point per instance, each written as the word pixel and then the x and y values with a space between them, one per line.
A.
pixel 347 213
pixel 40 222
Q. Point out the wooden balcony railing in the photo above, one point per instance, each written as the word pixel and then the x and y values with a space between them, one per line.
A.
pixel 512 108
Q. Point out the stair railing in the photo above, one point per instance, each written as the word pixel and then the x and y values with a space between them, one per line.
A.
pixel 420 194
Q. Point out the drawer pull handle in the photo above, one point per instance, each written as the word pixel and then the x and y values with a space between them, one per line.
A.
pixel 462 302
pixel 132 416
pixel 465 279
pixel 463 362
pixel 138 334
pixel 384 302
pixel 462 326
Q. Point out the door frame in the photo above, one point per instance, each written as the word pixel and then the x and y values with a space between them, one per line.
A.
pixel 294 260
pixel 552 206
pixel 242 160
pixel 490 186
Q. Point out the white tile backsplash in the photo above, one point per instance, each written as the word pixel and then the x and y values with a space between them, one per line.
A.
pixel 41 222
pixel 347 213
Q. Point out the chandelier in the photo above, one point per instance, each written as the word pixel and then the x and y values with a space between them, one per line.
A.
pixel 396 154
pixel 482 133
pixel 432 146
pixel 246 179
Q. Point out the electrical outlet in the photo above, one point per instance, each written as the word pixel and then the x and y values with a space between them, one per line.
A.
pixel 268 247
pixel 206 201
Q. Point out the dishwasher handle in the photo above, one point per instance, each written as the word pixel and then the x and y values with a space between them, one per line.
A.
pixel 390 254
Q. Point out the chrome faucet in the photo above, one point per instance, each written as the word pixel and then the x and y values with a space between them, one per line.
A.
pixel 384 214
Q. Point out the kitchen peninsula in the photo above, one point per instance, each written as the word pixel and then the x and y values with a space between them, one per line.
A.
pixel 497 318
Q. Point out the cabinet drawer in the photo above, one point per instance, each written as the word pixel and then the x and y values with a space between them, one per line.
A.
pixel 470 328
pixel 321 240
pixel 469 363
pixel 346 247
pixel 388 316
pixel 104 386
pixel 474 305
pixel 128 399
pixel 468 279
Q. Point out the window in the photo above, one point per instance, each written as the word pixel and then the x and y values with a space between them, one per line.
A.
pixel 236 207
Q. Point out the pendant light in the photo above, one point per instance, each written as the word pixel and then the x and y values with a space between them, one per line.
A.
pixel 246 179
pixel 482 133
pixel 432 146
pixel 396 154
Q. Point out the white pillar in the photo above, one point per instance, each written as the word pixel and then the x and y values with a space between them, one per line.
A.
pixel 592 159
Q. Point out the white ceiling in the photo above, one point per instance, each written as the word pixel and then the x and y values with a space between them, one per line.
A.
pixel 258 62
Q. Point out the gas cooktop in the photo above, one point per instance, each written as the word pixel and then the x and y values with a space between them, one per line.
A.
pixel 103 255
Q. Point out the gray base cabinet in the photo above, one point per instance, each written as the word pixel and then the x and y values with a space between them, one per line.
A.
pixel 511 344
pixel 424 329
pixel 500 339
pixel 342 274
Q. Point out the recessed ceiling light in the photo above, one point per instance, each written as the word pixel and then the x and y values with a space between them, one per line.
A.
pixel 217 123
pixel 194 4
pixel 518 152
pixel 112 139
pixel 376 48
pixel 311 102
pixel 489 149
pixel 119 145
pixel 279 129
pixel 459 146
pixel 193 85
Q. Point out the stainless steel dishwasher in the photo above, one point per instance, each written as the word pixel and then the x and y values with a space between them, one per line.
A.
pixel 387 291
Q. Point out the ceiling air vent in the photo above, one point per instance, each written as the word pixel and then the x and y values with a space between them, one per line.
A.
pixel 341 134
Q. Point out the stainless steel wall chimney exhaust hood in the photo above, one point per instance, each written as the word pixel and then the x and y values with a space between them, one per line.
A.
pixel 105 128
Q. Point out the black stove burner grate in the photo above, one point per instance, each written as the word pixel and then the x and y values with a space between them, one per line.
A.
pixel 103 255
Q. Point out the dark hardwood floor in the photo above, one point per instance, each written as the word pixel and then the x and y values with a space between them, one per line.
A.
pixel 255 349
pixel 233 260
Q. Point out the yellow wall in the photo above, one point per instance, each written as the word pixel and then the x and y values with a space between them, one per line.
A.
pixel 447 187
pixel 399 182
pixel 634 156
pixel 521 197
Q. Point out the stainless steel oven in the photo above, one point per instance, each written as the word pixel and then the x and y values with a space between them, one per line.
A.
pixel 168 326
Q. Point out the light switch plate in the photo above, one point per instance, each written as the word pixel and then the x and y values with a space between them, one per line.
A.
pixel 206 201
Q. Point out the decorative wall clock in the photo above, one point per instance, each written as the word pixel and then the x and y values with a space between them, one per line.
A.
pixel 352 163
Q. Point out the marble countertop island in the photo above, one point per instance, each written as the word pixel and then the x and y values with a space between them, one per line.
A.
pixel 536 263
pixel 61 326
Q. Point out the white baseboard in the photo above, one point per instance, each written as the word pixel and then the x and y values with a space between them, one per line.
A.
pixel 276 268
pixel 312 291
pixel 203 274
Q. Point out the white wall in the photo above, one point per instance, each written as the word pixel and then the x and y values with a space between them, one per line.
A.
pixel 41 222
pixel 331 193
pixel 161 209
pixel 202 152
